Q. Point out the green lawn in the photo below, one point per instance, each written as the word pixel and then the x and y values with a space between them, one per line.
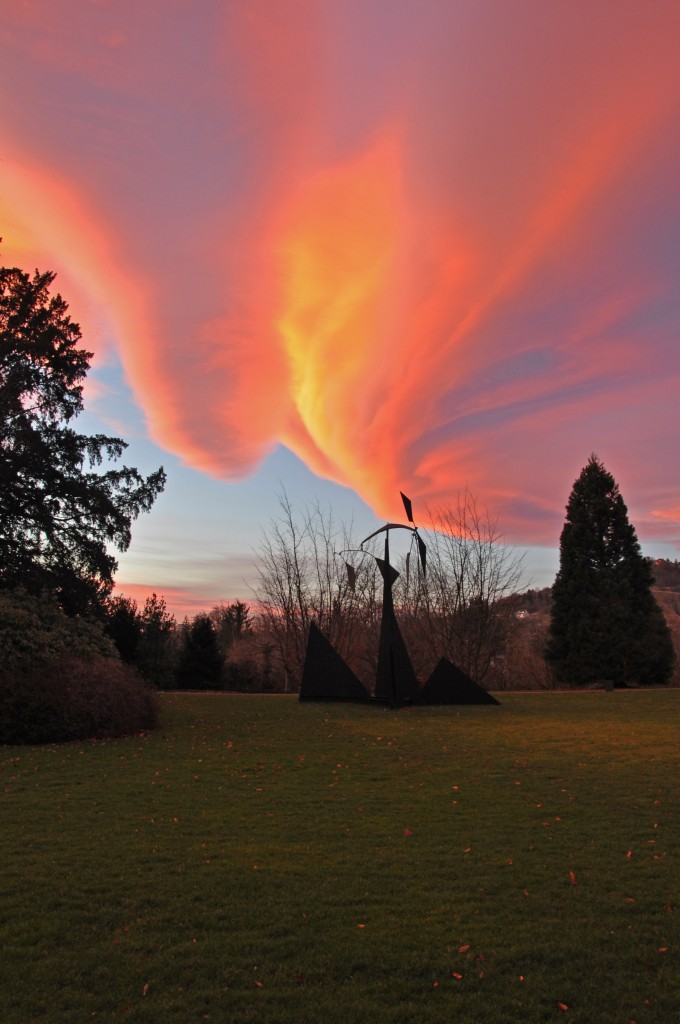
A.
pixel 258 860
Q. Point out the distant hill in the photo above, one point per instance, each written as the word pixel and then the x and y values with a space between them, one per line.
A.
pixel 530 601
pixel 666 578
pixel 666 574
pixel 530 617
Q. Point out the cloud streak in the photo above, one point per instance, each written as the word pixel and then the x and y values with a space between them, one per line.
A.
pixel 426 246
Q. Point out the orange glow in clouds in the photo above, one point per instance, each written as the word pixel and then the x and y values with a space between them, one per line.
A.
pixel 426 247
pixel 339 252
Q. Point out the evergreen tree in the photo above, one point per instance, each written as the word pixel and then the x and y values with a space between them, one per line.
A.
pixel 156 653
pixel 605 621
pixel 62 505
pixel 232 622
pixel 201 662
pixel 123 623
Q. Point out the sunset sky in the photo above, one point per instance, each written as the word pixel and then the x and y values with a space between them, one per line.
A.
pixel 352 247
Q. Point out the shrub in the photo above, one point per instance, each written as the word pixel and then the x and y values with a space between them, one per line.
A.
pixel 246 676
pixel 72 699
pixel 35 629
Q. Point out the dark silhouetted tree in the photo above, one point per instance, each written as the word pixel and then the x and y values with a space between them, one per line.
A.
pixel 200 660
pixel 605 622
pixel 123 624
pixel 156 655
pixel 62 506
pixel 145 639
pixel 232 622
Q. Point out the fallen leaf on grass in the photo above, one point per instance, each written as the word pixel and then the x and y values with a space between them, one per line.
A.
pixel 457 976
pixel 145 989
pixel 572 878
pixel 563 1007
pixel 407 832
pixel 464 949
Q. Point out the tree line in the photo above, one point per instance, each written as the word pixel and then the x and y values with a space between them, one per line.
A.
pixel 220 649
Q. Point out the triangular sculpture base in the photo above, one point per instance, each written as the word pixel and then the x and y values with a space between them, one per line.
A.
pixel 448 684
pixel 325 675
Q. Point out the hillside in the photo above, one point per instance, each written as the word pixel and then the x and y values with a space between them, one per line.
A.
pixel 666 574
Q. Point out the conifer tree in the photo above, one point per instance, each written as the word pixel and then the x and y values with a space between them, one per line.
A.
pixel 63 504
pixel 605 622
pixel 201 662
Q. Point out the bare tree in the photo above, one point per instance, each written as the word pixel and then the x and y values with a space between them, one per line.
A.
pixel 455 609
pixel 302 577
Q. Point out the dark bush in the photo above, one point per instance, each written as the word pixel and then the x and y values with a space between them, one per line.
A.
pixel 73 699
pixel 246 676
pixel 35 629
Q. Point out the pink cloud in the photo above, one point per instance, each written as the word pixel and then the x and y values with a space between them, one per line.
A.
pixel 426 246
pixel 180 601
pixel 670 514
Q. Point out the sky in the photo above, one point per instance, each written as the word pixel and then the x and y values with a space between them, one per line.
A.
pixel 351 247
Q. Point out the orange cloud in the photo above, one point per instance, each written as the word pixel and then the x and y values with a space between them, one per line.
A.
pixel 670 514
pixel 424 250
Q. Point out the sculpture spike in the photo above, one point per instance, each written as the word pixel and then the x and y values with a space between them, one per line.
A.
pixel 422 551
pixel 408 507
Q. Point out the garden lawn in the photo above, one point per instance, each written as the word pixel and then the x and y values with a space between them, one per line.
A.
pixel 258 860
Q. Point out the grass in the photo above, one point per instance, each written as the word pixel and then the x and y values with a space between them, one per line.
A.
pixel 258 860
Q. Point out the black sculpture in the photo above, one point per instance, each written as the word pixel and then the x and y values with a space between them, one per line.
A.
pixel 326 676
pixel 396 682
pixel 448 684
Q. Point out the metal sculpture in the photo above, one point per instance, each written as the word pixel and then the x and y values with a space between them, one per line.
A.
pixel 326 676
pixel 448 684
pixel 396 682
